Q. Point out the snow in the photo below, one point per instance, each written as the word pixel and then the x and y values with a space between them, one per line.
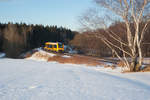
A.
pixel 69 49
pixel 73 52
pixel 138 76
pixel 41 55
pixel 2 55
pixel 38 49
pixel 66 56
pixel 33 80
pixel 109 69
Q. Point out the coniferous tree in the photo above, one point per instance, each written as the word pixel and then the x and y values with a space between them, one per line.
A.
pixel 19 37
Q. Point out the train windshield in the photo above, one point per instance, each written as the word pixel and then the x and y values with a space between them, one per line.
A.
pixel 60 45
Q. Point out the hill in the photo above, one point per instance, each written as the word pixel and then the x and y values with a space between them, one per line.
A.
pixel 33 80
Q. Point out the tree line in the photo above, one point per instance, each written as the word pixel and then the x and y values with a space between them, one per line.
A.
pixel 20 37
pixel 89 43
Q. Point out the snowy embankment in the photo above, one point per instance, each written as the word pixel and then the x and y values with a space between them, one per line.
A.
pixel 33 80
pixel 41 55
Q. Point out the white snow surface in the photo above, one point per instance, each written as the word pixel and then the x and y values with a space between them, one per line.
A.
pixel 66 56
pixel 41 55
pixel 33 80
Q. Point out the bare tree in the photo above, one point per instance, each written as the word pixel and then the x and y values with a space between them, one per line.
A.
pixel 132 13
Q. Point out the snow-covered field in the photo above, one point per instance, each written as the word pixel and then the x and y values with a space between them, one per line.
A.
pixel 35 80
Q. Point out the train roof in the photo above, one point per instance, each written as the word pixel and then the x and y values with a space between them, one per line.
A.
pixel 53 42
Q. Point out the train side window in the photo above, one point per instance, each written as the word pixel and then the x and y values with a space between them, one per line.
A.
pixel 50 46
pixel 55 46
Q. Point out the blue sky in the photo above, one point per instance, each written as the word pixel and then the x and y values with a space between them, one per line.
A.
pixel 47 12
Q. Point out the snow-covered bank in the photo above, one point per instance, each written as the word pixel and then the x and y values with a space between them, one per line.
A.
pixel 33 80
pixel 41 55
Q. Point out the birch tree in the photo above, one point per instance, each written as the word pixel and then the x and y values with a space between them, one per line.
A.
pixel 132 13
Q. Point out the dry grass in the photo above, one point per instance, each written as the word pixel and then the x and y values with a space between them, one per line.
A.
pixel 75 60
pixel 120 64
pixel 145 69
pixel 110 66
pixel 40 55
pixel 29 54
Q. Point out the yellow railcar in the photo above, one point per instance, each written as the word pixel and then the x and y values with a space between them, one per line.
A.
pixel 54 46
